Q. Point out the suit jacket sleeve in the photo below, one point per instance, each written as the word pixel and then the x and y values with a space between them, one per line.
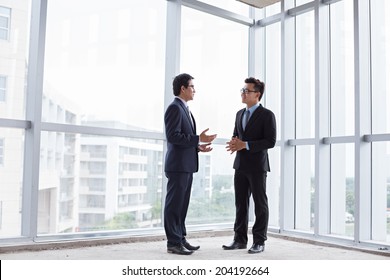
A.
pixel 174 128
pixel 269 132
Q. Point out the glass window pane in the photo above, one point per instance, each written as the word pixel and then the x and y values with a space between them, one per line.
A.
pixel 380 59
pixel 305 78
pixel 212 198
pixel 301 2
pixel 304 188
pixel 272 101
pixel 219 71
pixel 92 183
pixel 107 62
pixel 11 174
pixel 14 38
pixel 273 9
pixel 273 186
pixel 342 189
pixel 381 192
pixel 342 69
pixel 272 94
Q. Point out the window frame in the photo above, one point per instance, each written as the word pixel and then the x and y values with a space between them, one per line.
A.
pixel 3 89
pixel 8 20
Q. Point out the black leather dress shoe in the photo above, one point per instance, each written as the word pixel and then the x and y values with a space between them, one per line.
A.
pixel 188 246
pixel 234 245
pixel 179 249
pixel 256 248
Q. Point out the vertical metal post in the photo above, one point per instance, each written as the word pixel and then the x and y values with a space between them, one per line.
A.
pixel 322 125
pixel 362 120
pixel 287 192
pixel 172 67
pixel 33 114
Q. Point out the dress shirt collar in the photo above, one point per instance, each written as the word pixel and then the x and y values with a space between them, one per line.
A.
pixel 182 100
pixel 253 108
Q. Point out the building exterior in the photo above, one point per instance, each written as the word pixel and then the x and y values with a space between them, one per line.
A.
pixel 120 181
pixel 13 53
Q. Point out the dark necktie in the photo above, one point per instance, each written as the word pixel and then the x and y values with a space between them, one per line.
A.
pixel 189 114
pixel 246 118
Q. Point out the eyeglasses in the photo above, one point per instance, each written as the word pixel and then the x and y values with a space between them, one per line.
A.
pixel 246 91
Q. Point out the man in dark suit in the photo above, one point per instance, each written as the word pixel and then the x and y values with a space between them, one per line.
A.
pixel 254 133
pixel 181 161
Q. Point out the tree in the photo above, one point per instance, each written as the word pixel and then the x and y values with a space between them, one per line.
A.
pixel 122 221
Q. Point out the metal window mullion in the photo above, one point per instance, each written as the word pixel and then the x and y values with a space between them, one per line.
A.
pixel 287 173
pixel 302 9
pixel 295 11
pixel 338 140
pixel 209 9
pixel 362 51
pixel 328 2
pixel 299 142
pixel 172 67
pixel 269 20
pixel 102 131
pixel 256 48
pixel 11 123
pixel 256 64
pixel 33 113
pixel 322 112
pixel 376 137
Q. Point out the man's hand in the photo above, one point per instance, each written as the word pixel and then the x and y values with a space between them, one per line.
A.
pixel 205 148
pixel 235 145
pixel 203 137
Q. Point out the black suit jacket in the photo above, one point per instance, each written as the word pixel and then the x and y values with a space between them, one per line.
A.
pixel 260 133
pixel 182 141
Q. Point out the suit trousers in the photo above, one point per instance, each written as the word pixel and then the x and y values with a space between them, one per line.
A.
pixel 247 184
pixel 176 206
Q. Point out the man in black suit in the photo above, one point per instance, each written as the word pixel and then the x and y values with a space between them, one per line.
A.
pixel 254 133
pixel 181 161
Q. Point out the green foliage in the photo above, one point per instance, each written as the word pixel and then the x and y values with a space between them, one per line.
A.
pixel 350 202
pixel 217 208
pixel 121 221
pixel 156 210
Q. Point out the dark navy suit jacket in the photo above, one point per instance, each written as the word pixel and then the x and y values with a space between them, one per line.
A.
pixel 260 133
pixel 182 141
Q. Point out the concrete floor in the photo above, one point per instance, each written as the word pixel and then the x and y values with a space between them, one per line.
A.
pixel 154 248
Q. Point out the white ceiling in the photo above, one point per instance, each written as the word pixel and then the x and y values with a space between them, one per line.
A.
pixel 259 3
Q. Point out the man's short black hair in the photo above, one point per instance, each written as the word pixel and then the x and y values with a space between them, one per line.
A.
pixel 179 81
pixel 258 85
